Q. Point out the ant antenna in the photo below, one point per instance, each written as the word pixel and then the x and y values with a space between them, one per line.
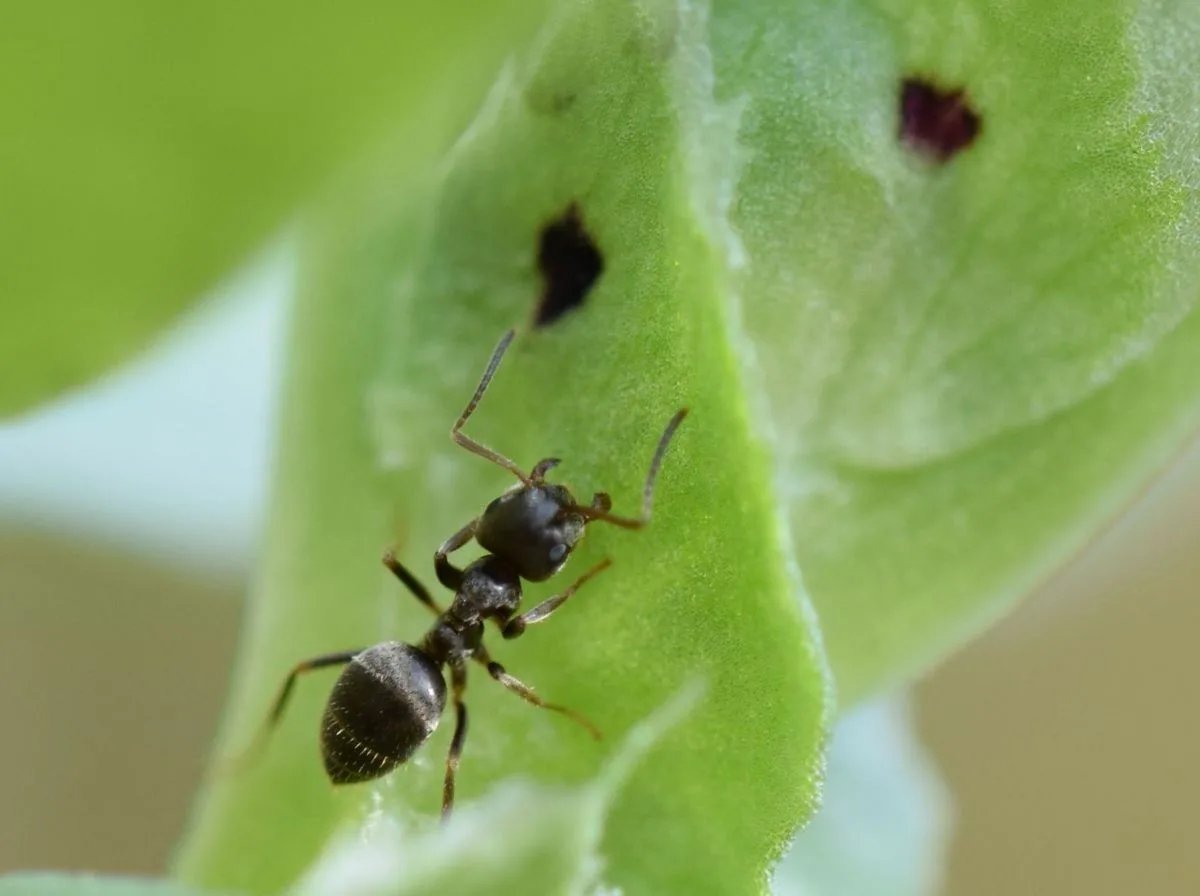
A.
pixel 625 522
pixel 461 438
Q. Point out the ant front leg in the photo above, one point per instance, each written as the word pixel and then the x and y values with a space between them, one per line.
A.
pixel 458 684
pixel 515 627
pixel 449 574
pixel 419 591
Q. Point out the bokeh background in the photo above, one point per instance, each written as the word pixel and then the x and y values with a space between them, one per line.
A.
pixel 129 514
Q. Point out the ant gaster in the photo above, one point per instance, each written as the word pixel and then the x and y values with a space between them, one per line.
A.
pixel 389 699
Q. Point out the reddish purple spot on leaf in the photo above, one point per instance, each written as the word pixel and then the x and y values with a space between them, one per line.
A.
pixel 570 264
pixel 937 123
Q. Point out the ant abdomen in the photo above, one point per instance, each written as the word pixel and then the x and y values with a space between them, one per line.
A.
pixel 386 703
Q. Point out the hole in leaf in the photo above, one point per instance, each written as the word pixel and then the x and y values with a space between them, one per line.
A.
pixel 570 264
pixel 552 103
pixel 936 123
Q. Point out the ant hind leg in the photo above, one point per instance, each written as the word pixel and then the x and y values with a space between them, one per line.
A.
pixel 340 658
pixel 458 683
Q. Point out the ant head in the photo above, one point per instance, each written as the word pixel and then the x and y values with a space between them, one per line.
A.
pixel 534 526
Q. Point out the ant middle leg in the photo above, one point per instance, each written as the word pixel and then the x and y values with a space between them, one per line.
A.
pixel 526 693
pixel 462 439
pixel 458 684
pixel 516 626
pixel 411 582
pixel 599 510
pixel 340 658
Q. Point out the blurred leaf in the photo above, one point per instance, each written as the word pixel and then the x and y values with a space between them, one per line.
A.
pixel 550 836
pixel 178 440
pixel 968 368
pixel 884 821
pixel 38 883
pixel 148 147
pixel 398 319
pixel 519 839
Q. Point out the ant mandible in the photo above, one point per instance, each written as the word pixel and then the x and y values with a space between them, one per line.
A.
pixel 390 697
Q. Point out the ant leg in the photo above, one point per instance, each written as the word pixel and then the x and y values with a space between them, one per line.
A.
pixel 599 512
pixel 465 441
pixel 458 682
pixel 526 693
pixel 317 662
pixel 419 591
pixel 516 626
pixel 449 574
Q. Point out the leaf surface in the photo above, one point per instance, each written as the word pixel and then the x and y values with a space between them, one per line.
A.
pixel 915 387
pixel 969 367
pixel 400 314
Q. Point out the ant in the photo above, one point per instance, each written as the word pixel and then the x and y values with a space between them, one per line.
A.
pixel 390 697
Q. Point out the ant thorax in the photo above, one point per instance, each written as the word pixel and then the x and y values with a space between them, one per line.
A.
pixel 532 526
pixel 490 588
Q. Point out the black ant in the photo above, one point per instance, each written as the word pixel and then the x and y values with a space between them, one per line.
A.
pixel 389 699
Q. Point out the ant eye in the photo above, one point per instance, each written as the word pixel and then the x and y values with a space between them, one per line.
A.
pixel 558 552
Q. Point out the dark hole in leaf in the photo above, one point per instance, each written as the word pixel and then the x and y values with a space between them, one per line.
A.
pixel 935 122
pixel 551 103
pixel 570 264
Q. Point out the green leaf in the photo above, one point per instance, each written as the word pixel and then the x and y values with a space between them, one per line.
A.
pixel 150 146
pixel 522 838
pixel 917 384
pixel 968 367
pixel 400 313
pixel 45 883
pixel 884 824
